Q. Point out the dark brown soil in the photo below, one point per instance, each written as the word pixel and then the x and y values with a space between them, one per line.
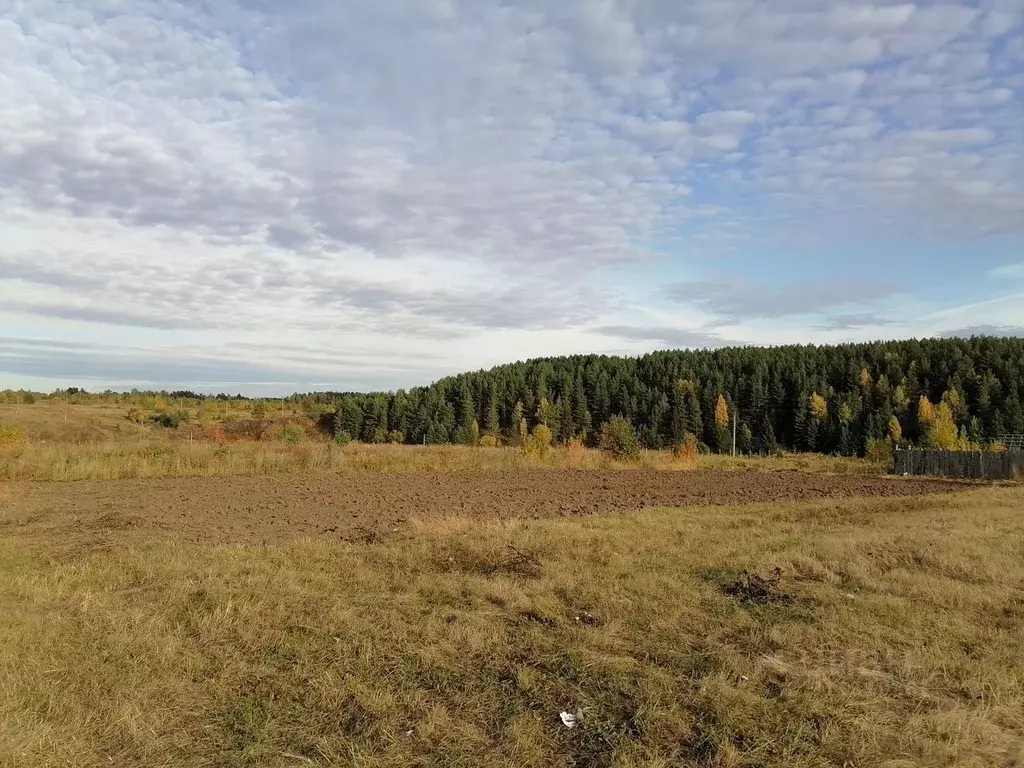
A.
pixel 360 506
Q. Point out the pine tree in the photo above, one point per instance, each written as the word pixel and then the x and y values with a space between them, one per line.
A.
pixel 519 422
pixel 677 429
pixel 492 424
pixel 766 436
pixel 580 414
pixel 694 422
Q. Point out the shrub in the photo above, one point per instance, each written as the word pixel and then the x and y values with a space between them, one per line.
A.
pixel 342 438
pixel 488 441
pixel 538 443
pixel 170 420
pixel 619 438
pixel 395 437
pixel 688 449
pixel 879 451
pixel 290 434
pixel 575 446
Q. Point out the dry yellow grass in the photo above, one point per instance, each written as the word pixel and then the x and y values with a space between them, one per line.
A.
pixel 52 421
pixel 903 644
pixel 163 458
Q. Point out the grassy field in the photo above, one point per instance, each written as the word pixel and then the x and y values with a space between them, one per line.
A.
pixel 98 442
pixel 163 458
pixel 895 637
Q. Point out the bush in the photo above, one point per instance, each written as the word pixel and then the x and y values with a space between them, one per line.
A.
pixel 395 437
pixel 538 443
pixel 170 420
pixel 688 449
pixel 488 441
pixel 290 434
pixel 619 438
pixel 879 451
pixel 342 438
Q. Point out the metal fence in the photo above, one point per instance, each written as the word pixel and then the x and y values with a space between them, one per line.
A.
pixel 1007 465
pixel 1012 442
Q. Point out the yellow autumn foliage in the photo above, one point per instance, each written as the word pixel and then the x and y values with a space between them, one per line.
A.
pixel 721 413
pixel 818 406
pixel 895 429
pixel 925 411
pixel 942 431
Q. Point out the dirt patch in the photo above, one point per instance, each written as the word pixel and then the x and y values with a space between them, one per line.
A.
pixel 754 589
pixel 356 505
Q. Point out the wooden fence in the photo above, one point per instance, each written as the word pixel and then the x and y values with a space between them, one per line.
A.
pixel 1008 465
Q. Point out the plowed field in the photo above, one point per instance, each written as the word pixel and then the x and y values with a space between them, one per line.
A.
pixel 352 505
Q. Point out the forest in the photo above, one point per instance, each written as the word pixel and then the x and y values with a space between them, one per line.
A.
pixel 950 393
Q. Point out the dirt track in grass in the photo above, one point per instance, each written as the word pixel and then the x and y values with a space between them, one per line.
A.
pixel 271 510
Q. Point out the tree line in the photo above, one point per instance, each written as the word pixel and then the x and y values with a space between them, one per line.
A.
pixel 945 393
pixel 833 399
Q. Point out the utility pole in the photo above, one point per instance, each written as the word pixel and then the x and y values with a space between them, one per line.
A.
pixel 734 431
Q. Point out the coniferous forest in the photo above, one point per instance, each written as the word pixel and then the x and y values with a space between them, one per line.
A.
pixel 947 393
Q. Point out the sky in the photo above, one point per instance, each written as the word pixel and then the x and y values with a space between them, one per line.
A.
pixel 268 197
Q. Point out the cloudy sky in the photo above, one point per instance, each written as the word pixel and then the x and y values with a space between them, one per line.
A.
pixel 263 196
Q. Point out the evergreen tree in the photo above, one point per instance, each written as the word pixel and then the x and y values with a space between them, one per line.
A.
pixel 580 412
pixel 492 423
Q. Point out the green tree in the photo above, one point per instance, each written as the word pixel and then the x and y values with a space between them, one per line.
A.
pixel 580 413
pixel 492 424
pixel 619 438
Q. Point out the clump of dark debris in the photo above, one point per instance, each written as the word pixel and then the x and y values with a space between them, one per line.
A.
pixel 516 561
pixel 511 561
pixel 753 589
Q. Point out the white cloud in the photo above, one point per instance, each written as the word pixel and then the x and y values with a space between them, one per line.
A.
pixel 952 136
pixel 452 171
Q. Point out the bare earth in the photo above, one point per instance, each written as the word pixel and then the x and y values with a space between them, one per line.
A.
pixel 270 510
